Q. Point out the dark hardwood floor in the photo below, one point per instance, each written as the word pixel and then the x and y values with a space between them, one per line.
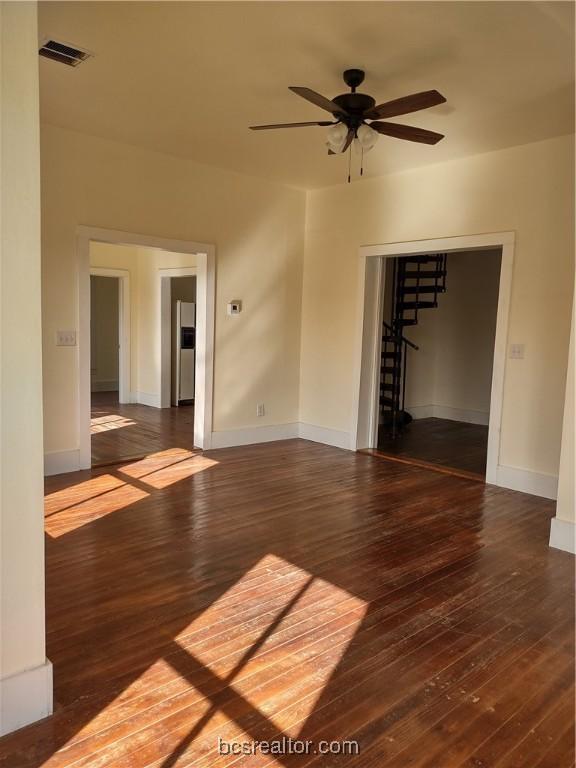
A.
pixel 450 444
pixel 300 590
pixel 124 432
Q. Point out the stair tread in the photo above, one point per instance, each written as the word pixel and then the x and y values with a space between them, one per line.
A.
pixel 412 273
pixel 417 305
pixel 422 289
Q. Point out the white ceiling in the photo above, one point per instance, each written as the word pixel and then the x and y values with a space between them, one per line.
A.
pixel 188 78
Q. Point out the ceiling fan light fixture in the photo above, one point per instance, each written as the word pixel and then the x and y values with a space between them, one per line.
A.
pixel 366 137
pixel 336 137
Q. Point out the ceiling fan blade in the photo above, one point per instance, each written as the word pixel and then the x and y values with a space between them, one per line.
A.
pixel 318 100
pixel 408 132
pixel 286 125
pixel 348 141
pixel 402 106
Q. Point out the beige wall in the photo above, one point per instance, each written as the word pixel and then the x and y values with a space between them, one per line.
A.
pixel 107 256
pixel 526 189
pixel 104 333
pixel 25 677
pixel 452 369
pixel 257 228
pixel 143 265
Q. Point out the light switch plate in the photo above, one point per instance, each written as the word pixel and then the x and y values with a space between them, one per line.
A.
pixel 65 338
pixel 517 351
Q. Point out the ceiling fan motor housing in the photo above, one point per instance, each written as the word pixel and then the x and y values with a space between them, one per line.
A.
pixel 354 104
pixel 353 78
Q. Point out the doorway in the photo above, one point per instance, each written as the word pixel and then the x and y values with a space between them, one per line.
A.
pixel 141 423
pixel 454 436
pixel 439 327
pixel 183 340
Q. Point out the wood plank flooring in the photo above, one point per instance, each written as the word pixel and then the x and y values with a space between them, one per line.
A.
pixel 297 590
pixel 125 432
pixel 447 443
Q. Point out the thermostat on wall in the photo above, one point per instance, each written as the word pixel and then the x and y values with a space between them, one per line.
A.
pixel 234 307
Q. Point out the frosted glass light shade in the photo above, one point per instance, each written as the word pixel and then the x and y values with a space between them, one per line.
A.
pixel 367 137
pixel 336 137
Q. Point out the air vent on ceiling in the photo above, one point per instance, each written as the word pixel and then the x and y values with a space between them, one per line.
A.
pixel 64 53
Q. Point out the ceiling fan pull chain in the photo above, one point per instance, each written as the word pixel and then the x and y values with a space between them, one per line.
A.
pixel 362 161
pixel 349 161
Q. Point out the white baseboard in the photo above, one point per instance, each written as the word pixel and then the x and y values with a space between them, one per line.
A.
pixel 420 411
pixel 324 435
pixel 252 435
pixel 447 412
pixel 25 697
pixel 104 386
pixel 146 398
pixel 58 462
pixel 563 535
pixel 229 438
pixel 527 481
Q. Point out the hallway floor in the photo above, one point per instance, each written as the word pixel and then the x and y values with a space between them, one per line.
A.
pixel 126 432
pixel 450 444
pixel 297 590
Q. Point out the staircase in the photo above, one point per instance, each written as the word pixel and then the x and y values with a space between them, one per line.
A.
pixel 417 281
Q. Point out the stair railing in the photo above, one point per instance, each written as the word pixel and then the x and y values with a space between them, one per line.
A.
pixel 398 400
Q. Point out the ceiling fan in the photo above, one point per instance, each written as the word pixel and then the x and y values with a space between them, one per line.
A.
pixel 352 111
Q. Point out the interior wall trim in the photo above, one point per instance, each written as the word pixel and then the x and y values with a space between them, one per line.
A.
pixel 146 398
pixel 563 535
pixel 333 437
pixel 252 435
pixel 25 697
pixel 527 481
pixel 60 462
pixel 230 438
pixel 436 411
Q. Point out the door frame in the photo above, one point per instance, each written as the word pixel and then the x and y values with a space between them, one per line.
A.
pixel 205 254
pixel 369 323
pixel 164 381
pixel 124 369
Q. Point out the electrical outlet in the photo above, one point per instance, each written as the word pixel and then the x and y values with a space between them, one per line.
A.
pixel 260 409
pixel 517 351
pixel 65 338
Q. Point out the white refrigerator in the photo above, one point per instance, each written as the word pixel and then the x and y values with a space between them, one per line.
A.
pixel 185 351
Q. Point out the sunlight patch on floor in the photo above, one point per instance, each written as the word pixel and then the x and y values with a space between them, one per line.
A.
pixel 308 616
pixel 282 702
pixel 162 469
pixel 236 619
pixel 71 508
pixel 108 422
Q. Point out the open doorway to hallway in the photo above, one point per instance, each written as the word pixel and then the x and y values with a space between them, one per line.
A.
pixel 134 293
pixel 436 361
